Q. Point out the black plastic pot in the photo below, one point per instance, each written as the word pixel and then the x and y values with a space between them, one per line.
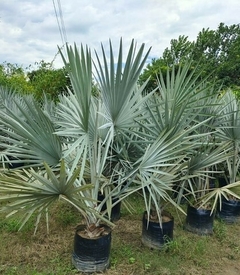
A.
pixel 153 235
pixel 223 181
pixel 17 163
pixel 212 183
pixel 115 211
pixel 230 211
pixel 175 194
pixel 91 255
pixel 199 221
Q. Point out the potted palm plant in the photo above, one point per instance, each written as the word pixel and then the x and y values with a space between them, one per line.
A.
pixel 198 174
pixel 114 142
pixel 228 131
pixel 172 126
pixel 203 167
pixel 76 185
pixel 79 132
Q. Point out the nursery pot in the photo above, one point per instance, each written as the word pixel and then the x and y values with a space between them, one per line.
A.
pixel 230 210
pixel 223 181
pixel 91 254
pixel 212 183
pixel 116 209
pixel 14 165
pixel 199 220
pixel 155 236
pixel 116 212
pixel 176 190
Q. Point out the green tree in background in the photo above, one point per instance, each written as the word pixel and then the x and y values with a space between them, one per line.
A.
pixel 216 51
pixel 40 81
pixel 180 51
pixel 49 81
pixel 13 76
pixel 219 53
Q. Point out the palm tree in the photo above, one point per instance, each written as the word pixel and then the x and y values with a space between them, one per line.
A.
pixel 119 140
pixel 229 132
pixel 79 133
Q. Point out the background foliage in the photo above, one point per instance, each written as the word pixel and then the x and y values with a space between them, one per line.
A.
pixel 40 79
pixel 216 51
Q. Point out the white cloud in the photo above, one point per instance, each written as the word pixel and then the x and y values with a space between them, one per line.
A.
pixel 29 31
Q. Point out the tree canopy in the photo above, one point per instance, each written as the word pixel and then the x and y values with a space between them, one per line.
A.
pixel 216 51
pixel 43 79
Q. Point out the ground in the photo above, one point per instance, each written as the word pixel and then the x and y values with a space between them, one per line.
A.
pixel 188 254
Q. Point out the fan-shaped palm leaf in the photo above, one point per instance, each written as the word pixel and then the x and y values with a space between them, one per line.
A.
pixel 28 192
pixel 29 136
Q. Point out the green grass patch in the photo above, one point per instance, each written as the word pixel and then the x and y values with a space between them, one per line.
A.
pixel 21 253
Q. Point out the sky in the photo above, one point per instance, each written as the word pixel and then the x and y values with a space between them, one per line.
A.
pixel 29 31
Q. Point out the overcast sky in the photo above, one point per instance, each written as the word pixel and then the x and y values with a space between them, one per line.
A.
pixel 29 31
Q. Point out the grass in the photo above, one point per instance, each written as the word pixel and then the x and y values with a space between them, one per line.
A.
pixel 22 253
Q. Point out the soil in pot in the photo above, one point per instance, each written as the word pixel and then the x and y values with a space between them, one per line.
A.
pixel 91 254
pixel 155 236
pixel 199 220
pixel 230 210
